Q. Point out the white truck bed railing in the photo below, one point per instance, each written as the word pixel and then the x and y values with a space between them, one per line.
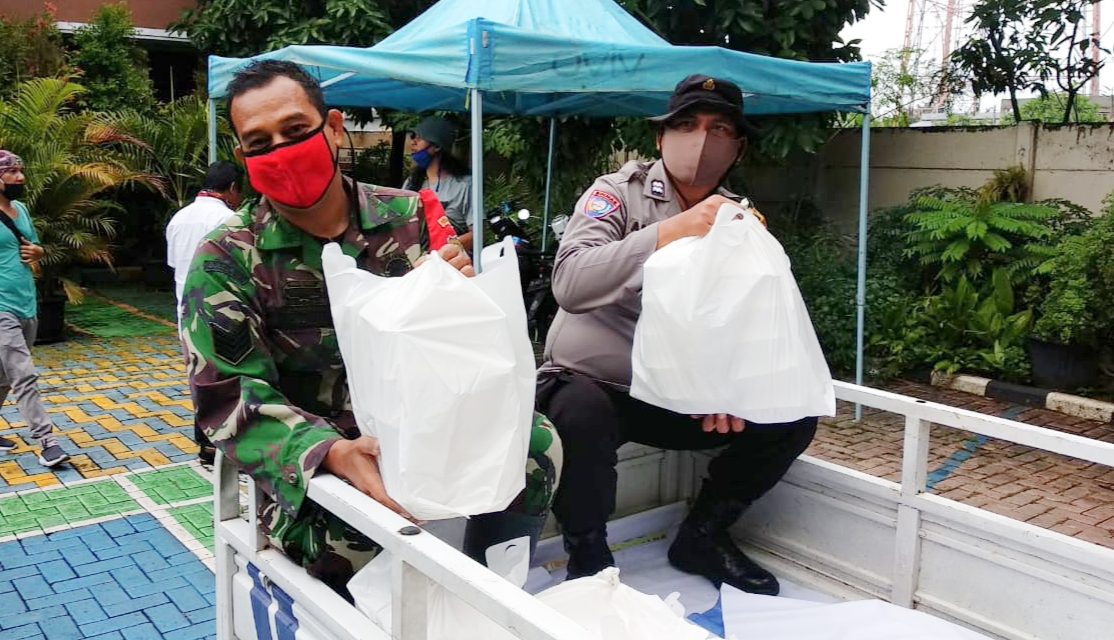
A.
pixel 858 535
pixel 418 560
pixel 824 526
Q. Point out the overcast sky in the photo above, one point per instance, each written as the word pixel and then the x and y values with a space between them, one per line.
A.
pixel 885 29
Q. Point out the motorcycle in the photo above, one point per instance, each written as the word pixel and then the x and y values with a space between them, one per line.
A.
pixel 535 266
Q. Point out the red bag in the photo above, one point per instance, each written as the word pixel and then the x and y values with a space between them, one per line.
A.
pixel 440 227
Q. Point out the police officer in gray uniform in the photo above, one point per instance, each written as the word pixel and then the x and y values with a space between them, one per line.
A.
pixel 584 384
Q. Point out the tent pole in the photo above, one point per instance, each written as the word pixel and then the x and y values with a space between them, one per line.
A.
pixel 548 183
pixel 212 124
pixel 477 178
pixel 860 290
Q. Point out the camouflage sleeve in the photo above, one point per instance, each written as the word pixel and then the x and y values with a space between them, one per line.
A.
pixel 234 382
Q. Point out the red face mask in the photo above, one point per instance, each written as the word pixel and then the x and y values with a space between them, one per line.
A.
pixel 296 173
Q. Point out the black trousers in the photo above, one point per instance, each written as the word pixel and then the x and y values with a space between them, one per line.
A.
pixel 594 420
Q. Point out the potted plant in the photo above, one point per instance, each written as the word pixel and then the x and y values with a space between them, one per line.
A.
pixel 72 159
pixel 1076 318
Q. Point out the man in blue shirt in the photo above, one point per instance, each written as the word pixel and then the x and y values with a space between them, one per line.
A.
pixel 19 249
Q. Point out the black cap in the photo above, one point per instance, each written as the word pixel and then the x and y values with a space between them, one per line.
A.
pixel 708 92
pixel 437 131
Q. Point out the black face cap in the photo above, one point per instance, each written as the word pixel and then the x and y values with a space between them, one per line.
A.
pixel 713 94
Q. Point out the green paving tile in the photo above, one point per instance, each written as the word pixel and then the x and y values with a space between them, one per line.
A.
pixel 172 485
pixel 197 519
pixel 56 507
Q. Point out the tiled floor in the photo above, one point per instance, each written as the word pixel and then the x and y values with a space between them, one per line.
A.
pixel 119 404
pixel 127 557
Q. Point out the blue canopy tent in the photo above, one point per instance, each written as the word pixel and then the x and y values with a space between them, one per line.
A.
pixel 556 58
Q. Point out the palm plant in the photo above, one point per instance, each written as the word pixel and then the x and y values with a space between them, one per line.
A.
pixel 72 160
pixel 177 146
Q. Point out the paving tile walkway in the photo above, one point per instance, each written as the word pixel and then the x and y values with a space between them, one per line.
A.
pixel 1069 496
pixel 121 558
pixel 119 404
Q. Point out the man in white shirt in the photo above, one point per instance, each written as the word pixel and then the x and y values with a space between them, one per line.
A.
pixel 217 201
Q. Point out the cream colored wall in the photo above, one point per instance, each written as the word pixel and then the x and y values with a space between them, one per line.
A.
pixel 1075 163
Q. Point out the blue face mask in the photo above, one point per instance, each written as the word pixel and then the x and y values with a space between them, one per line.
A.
pixel 422 158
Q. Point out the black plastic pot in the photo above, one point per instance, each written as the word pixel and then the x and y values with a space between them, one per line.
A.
pixel 1060 366
pixel 52 321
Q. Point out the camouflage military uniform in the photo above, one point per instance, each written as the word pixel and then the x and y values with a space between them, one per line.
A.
pixel 266 373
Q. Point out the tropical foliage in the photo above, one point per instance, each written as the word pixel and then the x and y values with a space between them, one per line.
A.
pixel 112 67
pixel 73 160
pixel 32 49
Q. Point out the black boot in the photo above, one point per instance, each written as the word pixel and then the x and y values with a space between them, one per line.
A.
pixel 588 553
pixel 704 547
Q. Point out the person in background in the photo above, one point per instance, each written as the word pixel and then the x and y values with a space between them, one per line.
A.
pixel 584 386
pixel 436 169
pixel 19 250
pixel 216 202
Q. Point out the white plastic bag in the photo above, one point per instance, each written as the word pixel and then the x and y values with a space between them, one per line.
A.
pixel 448 617
pixel 746 615
pixel 440 369
pixel 724 329
pixel 610 610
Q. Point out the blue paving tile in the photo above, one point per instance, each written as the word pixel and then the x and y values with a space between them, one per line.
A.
pixel 111 635
pixel 32 587
pixel 118 623
pixel 103 565
pixel 110 594
pixel 194 632
pixel 19 572
pixel 140 590
pixel 137 604
pixel 85 611
pixel 150 560
pixel 142 632
pixel 23 632
pixel 187 599
pixel 202 581
pixel 57 541
pixel 28 560
pixel 56 571
pixel 117 528
pixel 125 550
pixel 28 617
pixel 61 629
pixel 207 614
pixel 79 555
pixel 82 583
pixel 166 618
pixel 59 598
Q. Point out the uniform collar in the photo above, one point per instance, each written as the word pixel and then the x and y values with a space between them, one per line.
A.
pixel 368 211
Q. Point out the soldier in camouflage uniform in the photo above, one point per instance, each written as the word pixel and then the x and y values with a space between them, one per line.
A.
pixel 265 370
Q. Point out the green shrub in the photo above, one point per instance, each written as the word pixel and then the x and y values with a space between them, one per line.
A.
pixel 1079 306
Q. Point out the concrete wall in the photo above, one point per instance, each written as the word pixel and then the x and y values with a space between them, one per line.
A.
pixel 1075 163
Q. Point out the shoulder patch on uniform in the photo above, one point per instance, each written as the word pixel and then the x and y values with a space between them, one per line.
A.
pixel 601 204
pixel 232 344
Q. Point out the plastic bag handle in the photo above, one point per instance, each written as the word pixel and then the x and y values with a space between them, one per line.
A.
pixel 728 212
